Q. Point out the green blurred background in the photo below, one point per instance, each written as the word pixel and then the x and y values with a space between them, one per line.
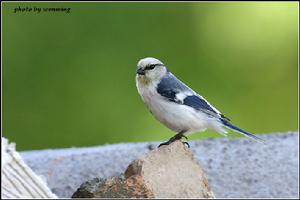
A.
pixel 69 78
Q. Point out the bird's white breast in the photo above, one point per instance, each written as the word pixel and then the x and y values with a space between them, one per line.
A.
pixel 173 115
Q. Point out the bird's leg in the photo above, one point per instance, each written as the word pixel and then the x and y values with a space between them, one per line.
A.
pixel 187 144
pixel 178 136
pixel 184 136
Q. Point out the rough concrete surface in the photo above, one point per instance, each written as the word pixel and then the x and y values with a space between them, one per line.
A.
pixel 236 168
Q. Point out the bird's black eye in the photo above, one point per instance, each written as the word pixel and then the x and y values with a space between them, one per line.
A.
pixel 149 67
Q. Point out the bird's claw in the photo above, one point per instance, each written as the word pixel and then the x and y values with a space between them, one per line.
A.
pixel 173 139
pixel 187 144
pixel 164 143
pixel 168 142
pixel 184 137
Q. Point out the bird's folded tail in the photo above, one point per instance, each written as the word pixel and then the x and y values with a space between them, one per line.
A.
pixel 237 129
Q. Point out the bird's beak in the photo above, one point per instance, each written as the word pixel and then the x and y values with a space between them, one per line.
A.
pixel 140 71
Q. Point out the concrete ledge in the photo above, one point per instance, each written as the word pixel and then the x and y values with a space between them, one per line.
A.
pixel 235 168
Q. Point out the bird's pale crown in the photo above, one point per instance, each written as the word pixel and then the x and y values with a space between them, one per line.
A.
pixel 148 61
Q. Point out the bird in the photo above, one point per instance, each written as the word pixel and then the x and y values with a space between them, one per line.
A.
pixel 176 105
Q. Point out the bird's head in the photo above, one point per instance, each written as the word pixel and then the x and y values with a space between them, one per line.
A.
pixel 150 69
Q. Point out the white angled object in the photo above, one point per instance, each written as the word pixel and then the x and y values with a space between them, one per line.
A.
pixel 18 180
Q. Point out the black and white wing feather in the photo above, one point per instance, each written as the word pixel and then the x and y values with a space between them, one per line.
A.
pixel 176 91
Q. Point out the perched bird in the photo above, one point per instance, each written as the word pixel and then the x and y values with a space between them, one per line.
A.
pixel 176 105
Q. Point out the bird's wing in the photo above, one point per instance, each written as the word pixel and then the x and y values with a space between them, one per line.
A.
pixel 169 87
pixel 176 91
pixel 199 103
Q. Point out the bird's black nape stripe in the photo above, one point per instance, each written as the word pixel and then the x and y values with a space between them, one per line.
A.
pixel 152 66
